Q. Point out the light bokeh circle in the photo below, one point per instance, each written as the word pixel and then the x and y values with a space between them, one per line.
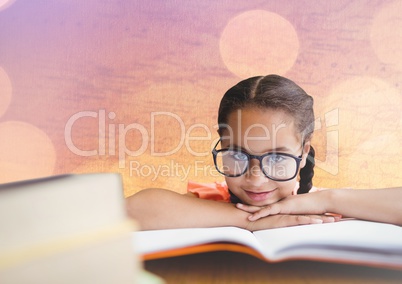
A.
pixel 259 42
pixel 368 106
pixel 376 163
pixel 369 139
pixel 386 34
pixel 5 4
pixel 5 91
pixel 25 152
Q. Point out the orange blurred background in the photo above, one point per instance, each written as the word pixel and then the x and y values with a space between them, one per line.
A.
pixel 134 86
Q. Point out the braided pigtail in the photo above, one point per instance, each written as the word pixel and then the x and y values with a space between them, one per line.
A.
pixel 307 173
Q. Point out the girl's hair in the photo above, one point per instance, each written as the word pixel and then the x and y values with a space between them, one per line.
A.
pixel 277 93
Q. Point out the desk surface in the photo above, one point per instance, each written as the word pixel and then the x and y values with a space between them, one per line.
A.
pixel 229 267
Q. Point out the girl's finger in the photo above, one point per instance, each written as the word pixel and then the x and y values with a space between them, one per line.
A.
pixel 297 220
pixel 324 218
pixel 263 212
pixel 248 208
pixel 311 219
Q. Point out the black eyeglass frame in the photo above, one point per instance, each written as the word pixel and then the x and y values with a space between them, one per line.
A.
pixel 259 158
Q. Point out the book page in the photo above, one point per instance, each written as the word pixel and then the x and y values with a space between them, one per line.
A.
pixel 162 240
pixel 343 240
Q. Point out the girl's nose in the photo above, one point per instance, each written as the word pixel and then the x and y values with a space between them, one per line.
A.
pixel 254 173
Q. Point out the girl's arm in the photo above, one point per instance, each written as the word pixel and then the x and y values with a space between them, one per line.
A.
pixel 164 209
pixel 380 205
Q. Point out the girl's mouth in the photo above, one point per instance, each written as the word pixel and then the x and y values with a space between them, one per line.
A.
pixel 260 196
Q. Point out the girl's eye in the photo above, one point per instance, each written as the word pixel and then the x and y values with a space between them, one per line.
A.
pixel 275 159
pixel 239 156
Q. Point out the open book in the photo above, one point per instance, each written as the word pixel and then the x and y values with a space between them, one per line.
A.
pixel 346 241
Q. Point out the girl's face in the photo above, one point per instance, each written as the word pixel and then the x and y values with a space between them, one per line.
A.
pixel 257 132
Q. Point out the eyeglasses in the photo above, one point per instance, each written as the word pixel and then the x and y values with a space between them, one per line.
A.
pixel 275 166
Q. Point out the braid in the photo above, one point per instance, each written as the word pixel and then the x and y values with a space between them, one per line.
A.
pixel 307 173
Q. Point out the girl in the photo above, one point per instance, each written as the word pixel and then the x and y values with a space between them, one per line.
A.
pixel 264 152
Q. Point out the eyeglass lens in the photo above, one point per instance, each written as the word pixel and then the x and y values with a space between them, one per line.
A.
pixel 236 163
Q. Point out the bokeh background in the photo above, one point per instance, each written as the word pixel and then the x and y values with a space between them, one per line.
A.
pixel 134 86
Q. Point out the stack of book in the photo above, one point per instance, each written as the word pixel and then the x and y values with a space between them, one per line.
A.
pixel 66 229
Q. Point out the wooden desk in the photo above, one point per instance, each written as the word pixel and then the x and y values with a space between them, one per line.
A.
pixel 229 267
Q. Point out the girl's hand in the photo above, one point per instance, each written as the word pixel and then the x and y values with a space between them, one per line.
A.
pixel 250 208
pixel 311 203
pixel 279 221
